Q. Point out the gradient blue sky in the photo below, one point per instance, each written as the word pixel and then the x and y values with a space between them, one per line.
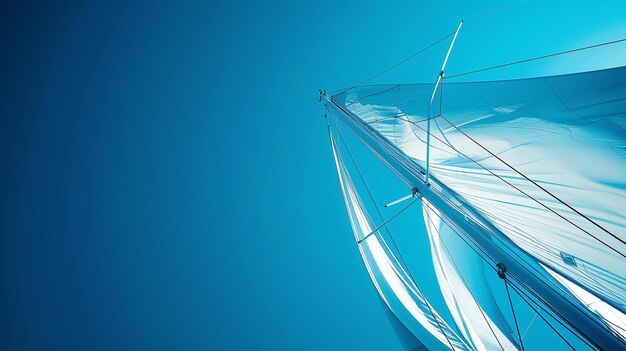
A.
pixel 167 180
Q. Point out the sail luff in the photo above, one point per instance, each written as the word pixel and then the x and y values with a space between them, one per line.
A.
pixel 583 320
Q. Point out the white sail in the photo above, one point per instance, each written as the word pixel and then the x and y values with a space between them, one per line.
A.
pixel 613 318
pixel 394 284
pixel 543 160
pixel 467 293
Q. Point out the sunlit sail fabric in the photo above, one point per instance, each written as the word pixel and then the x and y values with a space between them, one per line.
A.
pixel 467 292
pixel 613 318
pixel 393 283
pixel 541 159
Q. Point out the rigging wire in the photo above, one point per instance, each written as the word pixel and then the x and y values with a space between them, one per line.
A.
pixel 472 17
pixel 469 158
pixel 553 288
pixel 375 230
pixel 589 341
pixel 485 69
pixel 400 117
pixel 545 320
pixel 579 334
pixel 392 239
pixel 536 58
pixel 547 192
pixel 449 145
pixel 499 177
pixel 370 95
pixel 397 64
pixel 464 281
pixel 529 325
pixel 554 196
pixel 520 190
pixel 372 198
pixel 491 263
pixel 369 193
pixel 506 285
pixel 538 273
pixel 441 112
pixel 569 326
pixel 508 294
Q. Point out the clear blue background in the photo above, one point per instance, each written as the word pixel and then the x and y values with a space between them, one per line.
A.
pixel 166 178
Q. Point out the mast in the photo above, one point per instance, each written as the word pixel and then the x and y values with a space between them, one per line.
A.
pixel 584 322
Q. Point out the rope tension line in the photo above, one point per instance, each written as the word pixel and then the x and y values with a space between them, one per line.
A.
pixel 537 58
pixel 375 230
pixel 397 64
pixel 502 275
pixel 403 262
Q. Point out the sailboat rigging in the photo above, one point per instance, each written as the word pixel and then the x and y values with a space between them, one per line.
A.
pixel 522 180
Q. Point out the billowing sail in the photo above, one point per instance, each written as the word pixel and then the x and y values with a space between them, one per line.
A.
pixel 468 294
pixel 531 172
pixel 543 160
pixel 395 286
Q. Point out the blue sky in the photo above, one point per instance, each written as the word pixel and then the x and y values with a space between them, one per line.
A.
pixel 169 182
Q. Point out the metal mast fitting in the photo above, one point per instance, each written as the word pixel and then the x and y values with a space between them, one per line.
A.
pixel 501 270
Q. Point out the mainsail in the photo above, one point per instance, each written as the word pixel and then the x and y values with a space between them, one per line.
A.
pixel 531 174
